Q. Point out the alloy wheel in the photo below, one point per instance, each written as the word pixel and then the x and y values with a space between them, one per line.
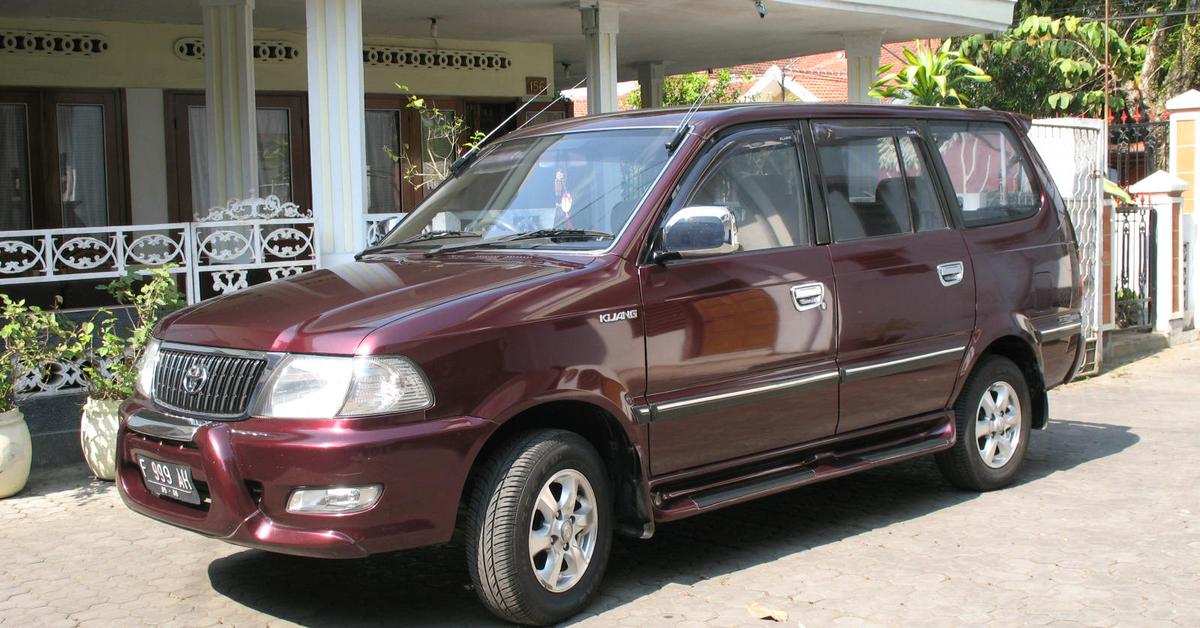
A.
pixel 998 424
pixel 563 531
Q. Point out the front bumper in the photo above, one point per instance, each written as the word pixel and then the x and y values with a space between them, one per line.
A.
pixel 245 471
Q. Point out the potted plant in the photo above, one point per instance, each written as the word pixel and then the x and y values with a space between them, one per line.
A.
pixel 28 338
pixel 112 344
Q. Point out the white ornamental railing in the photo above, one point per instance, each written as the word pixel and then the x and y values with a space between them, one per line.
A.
pixel 377 226
pixel 244 243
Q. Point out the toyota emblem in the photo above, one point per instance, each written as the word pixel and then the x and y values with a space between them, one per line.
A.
pixel 194 379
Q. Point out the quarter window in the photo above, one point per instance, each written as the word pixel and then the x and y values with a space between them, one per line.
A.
pixel 757 176
pixel 991 176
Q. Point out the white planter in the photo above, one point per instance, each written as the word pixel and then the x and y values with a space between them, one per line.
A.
pixel 98 436
pixel 16 452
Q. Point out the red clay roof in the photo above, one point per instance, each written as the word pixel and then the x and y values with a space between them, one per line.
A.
pixel 823 74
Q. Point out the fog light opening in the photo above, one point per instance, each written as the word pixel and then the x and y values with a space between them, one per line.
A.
pixel 333 500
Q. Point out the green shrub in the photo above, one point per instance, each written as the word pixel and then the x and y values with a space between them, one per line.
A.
pixel 30 340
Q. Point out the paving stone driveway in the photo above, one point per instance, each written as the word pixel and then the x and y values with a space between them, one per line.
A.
pixel 1101 530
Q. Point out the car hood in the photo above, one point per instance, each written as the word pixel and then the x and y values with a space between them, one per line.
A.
pixel 331 310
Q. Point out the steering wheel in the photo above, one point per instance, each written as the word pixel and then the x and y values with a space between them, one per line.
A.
pixel 499 227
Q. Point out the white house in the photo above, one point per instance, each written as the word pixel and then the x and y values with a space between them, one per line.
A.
pixel 123 113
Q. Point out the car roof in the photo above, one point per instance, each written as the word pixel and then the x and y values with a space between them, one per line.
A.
pixel 709 119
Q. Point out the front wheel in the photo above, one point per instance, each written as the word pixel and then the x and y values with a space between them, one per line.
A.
pixel 993 421
pixel 539 527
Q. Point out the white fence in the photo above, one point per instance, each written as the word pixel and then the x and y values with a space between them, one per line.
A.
pixel 244 243
pixel 1074 152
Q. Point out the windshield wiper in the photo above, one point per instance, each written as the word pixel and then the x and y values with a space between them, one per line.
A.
pixel 561 234
pixel 420 237
pixel 538 234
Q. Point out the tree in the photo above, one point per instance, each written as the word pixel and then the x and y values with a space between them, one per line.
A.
pixel 1074 50
pixel 1156 46
pixel 929 77
pixel 685 89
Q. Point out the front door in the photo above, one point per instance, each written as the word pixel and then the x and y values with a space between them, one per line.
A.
pixel 740 348
pixel 906 290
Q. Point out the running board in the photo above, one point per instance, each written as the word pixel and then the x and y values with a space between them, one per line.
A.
pixel 718 492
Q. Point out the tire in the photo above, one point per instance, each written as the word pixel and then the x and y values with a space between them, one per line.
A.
pixel 505 517
pixel 968 465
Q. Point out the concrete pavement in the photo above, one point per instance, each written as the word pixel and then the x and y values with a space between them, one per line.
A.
pixel 1101 530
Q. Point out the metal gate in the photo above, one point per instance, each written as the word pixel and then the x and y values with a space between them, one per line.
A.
pixel 1135 259
pixel 1073 150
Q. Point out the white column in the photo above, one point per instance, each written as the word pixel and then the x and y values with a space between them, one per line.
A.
pixel 337 139
pixel 862 61
pixel 600 33
pixel 650 77
pixel 229 99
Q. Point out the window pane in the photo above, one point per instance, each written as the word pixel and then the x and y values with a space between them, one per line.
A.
pixel 927 209
pixel 82 173
pixel 990 175
pixel 198 156
pixel 384 146
pixel 864 185
pixel 438 130
pixel 758 179
pixel 15 202
pixel 274 153
pixel 591 181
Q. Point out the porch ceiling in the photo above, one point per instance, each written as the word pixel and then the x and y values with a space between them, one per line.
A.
pixel 686 35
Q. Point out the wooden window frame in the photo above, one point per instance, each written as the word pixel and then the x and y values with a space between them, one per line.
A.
pixel 42 126
pixel 179 161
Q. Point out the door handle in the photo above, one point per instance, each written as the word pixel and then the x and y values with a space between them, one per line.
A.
pixel 950 273
pixel 807 296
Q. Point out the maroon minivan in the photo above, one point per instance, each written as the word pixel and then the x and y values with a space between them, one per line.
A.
pixel 606 323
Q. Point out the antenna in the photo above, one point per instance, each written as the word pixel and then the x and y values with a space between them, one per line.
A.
pixel 467 156
pixel 551 104
pixel 683 128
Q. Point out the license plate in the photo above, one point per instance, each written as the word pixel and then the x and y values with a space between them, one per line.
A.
pixel 169 480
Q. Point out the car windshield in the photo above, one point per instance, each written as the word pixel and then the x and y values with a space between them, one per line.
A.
pixel 572 191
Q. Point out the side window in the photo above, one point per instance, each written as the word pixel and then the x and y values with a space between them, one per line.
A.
pixel 864 182
pixel 992 178
pixel 757 176
pixel 926 206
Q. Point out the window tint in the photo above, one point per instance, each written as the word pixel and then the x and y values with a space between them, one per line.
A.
pixel 757 176
pixel 927 208
pixel 864 184
pixel 990 174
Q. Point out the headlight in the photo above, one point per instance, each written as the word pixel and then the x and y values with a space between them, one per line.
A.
pixel 320 387
pixel 145 368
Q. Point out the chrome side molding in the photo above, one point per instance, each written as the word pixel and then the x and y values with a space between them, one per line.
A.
pixel 901 365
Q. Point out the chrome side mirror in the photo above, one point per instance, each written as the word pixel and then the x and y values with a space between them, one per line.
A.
pixel 699 231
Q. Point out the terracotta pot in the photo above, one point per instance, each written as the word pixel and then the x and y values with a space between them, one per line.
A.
pixel 98 436
pixel 16 452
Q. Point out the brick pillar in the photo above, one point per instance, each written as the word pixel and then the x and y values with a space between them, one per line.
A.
pixel 1185 140
pixel 1165 193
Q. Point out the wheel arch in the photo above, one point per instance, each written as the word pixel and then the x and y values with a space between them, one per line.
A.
pixel 600 427
pixel 1024 354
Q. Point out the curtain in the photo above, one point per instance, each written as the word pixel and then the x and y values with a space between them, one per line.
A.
pixel 383 180
pixel 198 155
pixel 82 172
pixel 14 167
pixel 274 153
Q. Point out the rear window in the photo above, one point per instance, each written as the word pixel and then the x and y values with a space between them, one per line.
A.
pixel 992 178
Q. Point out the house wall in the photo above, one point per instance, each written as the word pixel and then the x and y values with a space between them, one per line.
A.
pixel 142 55
pixel 141 60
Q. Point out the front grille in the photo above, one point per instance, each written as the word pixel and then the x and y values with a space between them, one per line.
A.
pixel 224 393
